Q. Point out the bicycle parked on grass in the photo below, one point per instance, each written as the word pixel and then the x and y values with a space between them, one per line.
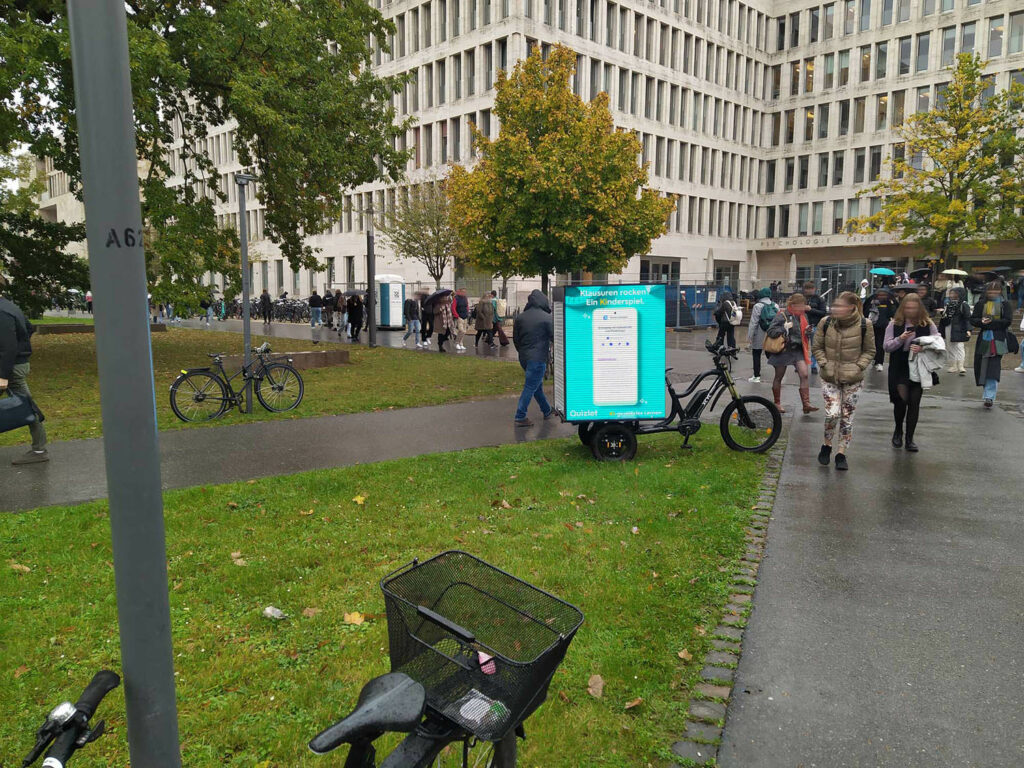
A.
pixel 473 651
pixel 749 423
pixel 204 394
pixel 67 726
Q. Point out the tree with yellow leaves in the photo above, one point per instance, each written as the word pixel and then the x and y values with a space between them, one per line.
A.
pixel 943 194
pixel 560 189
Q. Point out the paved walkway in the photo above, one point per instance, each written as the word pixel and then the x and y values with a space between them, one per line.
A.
pixel 210 455
pixel 887 622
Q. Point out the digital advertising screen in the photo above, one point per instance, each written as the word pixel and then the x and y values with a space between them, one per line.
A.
pixel 610 352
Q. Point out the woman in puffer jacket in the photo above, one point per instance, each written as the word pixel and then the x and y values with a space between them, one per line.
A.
pixel 844 346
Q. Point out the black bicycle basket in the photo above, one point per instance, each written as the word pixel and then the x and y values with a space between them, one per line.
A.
pixel 448 614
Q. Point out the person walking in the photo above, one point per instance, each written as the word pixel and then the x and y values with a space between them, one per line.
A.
pixel 484 322
pixel 910 323
pixel 956 316
pixel 426 319
pixel 865 289
pixel 15 351
pixel 411 313
pixel 316 308
pixel 328 310
pixel 532 333
pixel 792 324
pixel 879 311
pixel 460 314
pixel 340 315
pixel 761 316
pixel 88 302
pixel 725 315
pixel 355 316
pixel 499 320
pixel 844 346
pixel 992 316
pixel 444 321
pixel 815 313
pixel 206 304
pixel 266 305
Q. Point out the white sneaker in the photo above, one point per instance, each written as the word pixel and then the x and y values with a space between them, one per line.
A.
pixel 878 366
pixel 754 379
pixel 1019 369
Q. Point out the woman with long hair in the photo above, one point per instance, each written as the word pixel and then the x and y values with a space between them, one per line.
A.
pixel 909 324
pixel 792 324
pixel 992 316
pixel 844 346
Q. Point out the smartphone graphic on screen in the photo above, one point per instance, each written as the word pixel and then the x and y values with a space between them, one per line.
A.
pixel 616 364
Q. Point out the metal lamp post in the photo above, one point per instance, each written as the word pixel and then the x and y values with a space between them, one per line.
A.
pixel 242 180
pixel 113 225
pixel 371 279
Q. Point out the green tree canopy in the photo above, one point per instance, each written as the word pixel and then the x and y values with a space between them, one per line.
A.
pixel 943 194
pixel 33 251
pixel 419 229
pixel 293 77
pixel 560 189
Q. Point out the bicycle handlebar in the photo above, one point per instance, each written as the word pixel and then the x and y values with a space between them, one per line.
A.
pixel 67 726
pixel 102 683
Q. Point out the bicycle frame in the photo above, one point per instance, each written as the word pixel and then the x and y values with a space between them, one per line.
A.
pixel 723 382
pixel 236 399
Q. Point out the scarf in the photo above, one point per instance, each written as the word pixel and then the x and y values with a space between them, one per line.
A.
pixel 994 309
pixel 802 315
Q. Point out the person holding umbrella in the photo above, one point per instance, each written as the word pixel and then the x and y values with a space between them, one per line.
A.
pixel 438 306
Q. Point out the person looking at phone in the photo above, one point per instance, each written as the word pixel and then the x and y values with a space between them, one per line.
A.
pixel 910 323
pixel 992 315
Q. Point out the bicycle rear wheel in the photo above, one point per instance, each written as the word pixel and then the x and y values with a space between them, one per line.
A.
pixel 279 387
pixel 500 754
pixel 751 424
pixel 198 396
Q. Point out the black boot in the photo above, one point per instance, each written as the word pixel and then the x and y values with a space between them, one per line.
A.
pixel 841 461
pixel 824 455
pixel 910 445
pixel 897 439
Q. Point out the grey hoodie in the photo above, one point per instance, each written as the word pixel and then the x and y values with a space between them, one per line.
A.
pixel 534 330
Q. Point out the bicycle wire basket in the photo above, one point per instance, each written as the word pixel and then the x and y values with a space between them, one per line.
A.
pixel 483 643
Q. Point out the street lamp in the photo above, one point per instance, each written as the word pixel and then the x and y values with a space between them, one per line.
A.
pixel 242 180
pixel 371 279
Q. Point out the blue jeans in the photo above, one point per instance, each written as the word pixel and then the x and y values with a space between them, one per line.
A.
pixel 533 388
pixel 315 316
pixel 414 330
pixel 209 314
pixel 991 386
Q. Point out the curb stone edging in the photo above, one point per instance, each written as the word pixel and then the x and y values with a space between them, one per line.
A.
pixel 698 745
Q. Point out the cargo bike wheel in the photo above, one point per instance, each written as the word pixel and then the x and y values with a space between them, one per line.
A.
pixel 614 441
pixel 751 424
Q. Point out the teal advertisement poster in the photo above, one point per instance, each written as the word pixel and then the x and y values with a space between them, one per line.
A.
pixel 614 347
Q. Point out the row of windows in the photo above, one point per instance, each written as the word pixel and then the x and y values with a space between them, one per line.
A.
pixel 821 23
pixel 453 78
pixel 413 29
pixel 810 217
pixel 831 168
pixel 696 164
pixel 714 218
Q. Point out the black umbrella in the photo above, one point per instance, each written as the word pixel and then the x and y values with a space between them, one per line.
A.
pixel 993 274
pixel 354 292
pixel 438 295
pixel 918 273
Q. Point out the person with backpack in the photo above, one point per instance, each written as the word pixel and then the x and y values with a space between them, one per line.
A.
pixel 761 316
pixel 792 327
pixel 844 347
pixel 499 320
pixel 15 351
pixel 815 313
pixel 956 316
pixel 484 323
pixel 879 310
pixel 728 315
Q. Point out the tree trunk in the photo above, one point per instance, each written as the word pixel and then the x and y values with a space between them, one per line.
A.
pixel 504 287
pixel 544 283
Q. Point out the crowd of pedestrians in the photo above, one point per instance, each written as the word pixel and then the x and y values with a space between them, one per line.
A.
pixel 920 335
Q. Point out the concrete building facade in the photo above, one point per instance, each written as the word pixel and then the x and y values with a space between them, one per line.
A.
pixel 764 118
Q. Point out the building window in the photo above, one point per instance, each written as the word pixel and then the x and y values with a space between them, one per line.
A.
pixel 865 63
pixel 849 16
pixel 838 161
pixel 817 214
pixel 823 169
pixel 780 39
pixel 830 66
pixel 1016 41
pixel 923 44
pixel 887 12
pixel 808 75
pixel 794 29
pixel 948 49
pixel 844 117
pixel 904 56
pixel 881 60
pixel 844 67
pixel 805 163
pixel 859 110
pixel 837 216
pixel 790 169
pixel 995 37
pixel 876 164
pixel 809 124
pixel 813 31
pixel 946 6
pixel 967 37
pixel 902 10
pixel 823 121
pixel 927 7
pixel 898 107
pixel 794 78
pixel 829 23
pixel 923 98
pixel 865 15
pixel 859 165
pixel 881 111
pixel 802 232
pixel 790 125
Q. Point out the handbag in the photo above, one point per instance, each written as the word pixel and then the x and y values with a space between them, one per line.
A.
pixel 16 412
pixel 1012 345
pixel 773 345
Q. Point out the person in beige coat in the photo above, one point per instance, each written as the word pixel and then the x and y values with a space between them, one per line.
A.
pixel 844 346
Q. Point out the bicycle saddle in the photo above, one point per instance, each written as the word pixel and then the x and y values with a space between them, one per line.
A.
pixel 390 703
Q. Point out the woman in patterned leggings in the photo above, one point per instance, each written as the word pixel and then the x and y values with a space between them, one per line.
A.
pixel 844 346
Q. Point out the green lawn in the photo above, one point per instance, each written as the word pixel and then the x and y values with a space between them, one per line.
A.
pixel 645 549
pixel 64 380
pixel 52 320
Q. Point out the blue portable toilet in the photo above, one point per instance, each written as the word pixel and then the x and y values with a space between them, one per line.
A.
pixel 390 299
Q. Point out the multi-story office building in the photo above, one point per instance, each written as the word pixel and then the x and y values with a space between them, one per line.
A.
pixel 764 118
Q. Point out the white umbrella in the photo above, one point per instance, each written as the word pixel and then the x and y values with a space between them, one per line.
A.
pixel 954 272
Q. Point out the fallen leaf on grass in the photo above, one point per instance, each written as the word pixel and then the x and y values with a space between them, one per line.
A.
pixel 635 702
pixel 563 696
pixel 19 567
pixel 634 530
pixel 354 618
pixel 700 630
pixel 359 499
pixel 20 671
pixel 237 559
pixel 505 504
pixel 595 686
pixel 310 612
pixel 685 655
pixel 306 513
